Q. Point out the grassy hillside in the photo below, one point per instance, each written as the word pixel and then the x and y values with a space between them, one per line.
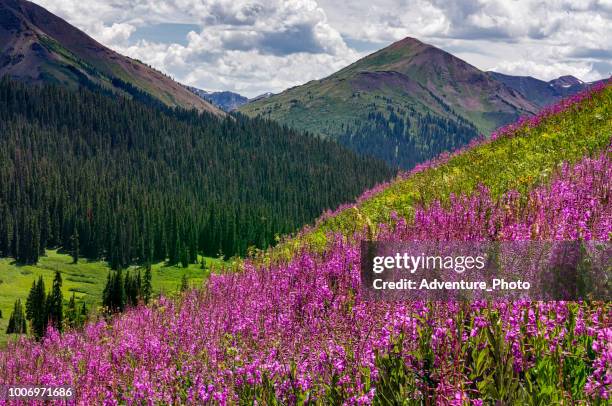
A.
pixel 86 279
pixel 304 331
pixel 524 156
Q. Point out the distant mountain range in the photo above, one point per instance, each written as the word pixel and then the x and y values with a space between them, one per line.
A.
pixel 226 100
pixel 37 46
pixel 404 104
pixel 540 92
pixel 409 101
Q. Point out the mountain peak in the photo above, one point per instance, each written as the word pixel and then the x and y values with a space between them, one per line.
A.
pixel 566 81
pixel 398 89
pixel 38 46
pixel 408 42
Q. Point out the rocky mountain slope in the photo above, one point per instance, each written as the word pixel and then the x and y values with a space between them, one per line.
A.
pixel 37 46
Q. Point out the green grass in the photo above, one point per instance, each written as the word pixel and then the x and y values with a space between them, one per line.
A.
pixel 519 163
pixel 86 279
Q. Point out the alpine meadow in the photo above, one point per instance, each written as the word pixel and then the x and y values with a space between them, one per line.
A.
pixel 196 223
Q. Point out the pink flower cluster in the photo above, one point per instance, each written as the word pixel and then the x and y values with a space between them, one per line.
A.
pixel 302 332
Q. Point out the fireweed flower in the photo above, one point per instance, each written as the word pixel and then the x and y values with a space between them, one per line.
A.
pixel 301 329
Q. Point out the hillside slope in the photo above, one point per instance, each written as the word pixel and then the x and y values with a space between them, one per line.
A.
pixel 134 183
pixel 303 331
pixel 405 103
pixel 37 46
pixel 516 157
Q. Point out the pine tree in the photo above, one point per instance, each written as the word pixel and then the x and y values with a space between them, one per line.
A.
pixel 184 283
pixel 119 291
pixel 36 308
pixel 75 245
pixel 107 293
pixel 55 303
pixel 17 321
pixel 184 256
pixel 82 315
pixel 114 295
pixel 147 288
pixel 71 312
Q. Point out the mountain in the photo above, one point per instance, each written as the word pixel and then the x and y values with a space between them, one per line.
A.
pixel 225 100
pixel 405 103
pixel 38 47
pixel 520 158
pixel 541 92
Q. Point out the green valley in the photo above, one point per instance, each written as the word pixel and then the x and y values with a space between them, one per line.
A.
pixel 86 279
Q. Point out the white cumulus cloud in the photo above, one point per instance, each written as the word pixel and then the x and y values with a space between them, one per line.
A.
pixel 254 46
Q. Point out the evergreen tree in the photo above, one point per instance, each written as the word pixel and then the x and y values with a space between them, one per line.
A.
pixel 17 321
pixel 184 283
pixel 36 308
pixel 119 291
pixel 82 315
pixel 114 294
pixel 184 257
pixel 75 245
pixel 132 288
pixel 71 313
pixel 55 303
pixel 147 288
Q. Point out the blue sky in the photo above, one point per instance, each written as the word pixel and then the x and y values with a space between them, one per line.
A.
pixel 255 46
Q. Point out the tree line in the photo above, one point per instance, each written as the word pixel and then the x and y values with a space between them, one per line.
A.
pixel 110 178
pixel 44 309
pixel 404 138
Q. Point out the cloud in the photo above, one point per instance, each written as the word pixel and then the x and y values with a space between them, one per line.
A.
pixel 547 71
pixel 241 45
pixel 254 46
pixel 530 36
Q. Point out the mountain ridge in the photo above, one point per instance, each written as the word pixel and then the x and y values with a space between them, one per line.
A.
pixel 38 46
pixel 414 93
pixel 541 92
pixel 226 100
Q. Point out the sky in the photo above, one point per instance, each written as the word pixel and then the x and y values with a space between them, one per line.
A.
pixel 257 46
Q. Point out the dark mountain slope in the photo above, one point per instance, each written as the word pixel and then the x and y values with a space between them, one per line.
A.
pixel 133 183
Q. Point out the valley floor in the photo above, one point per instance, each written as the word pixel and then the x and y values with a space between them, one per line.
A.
pixel 86 279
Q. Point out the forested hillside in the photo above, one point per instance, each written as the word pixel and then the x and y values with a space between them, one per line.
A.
pixel 112 178
pixel 404 137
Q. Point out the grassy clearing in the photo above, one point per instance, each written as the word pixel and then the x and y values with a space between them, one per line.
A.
pixel 86 279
